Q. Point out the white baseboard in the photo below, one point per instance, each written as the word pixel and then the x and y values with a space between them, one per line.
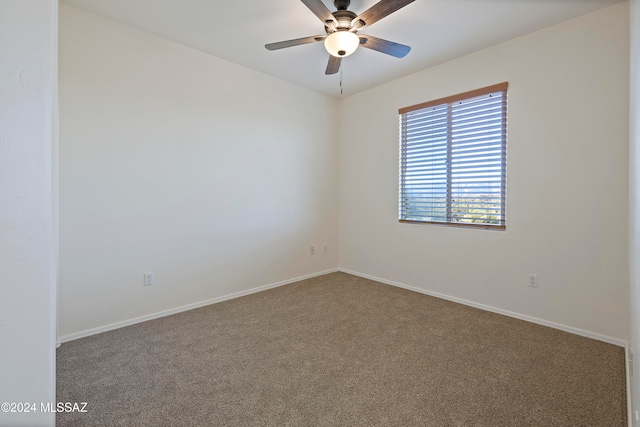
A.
pixel 112 326
pixel 117 325
pixel 570 329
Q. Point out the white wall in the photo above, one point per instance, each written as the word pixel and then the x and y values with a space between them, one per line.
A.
pixel 28 194
pixel 215 177
pixel 567 180
pixel 634 195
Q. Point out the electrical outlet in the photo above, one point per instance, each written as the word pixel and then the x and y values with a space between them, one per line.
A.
pixel 148 279
pixel 313 250
pixel 630 357
pixel 533 280
pixel 325 248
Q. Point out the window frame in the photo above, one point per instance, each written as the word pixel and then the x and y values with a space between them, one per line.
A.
pixel 449 100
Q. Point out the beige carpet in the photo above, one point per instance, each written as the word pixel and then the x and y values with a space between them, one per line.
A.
pixel 339 350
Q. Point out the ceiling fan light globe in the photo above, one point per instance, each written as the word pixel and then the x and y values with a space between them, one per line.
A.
pixel 341 43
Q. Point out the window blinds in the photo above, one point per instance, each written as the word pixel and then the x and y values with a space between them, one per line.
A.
pixel 453 159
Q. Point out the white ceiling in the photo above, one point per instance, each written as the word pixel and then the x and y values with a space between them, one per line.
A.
pixel 436 30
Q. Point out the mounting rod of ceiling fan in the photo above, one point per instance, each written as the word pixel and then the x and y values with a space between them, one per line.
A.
pixel 342 4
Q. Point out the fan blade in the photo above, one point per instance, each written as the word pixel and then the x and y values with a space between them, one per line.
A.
pixel 378 11
pixel 385 46
pixel 334 65
pixel 294 42
pixel 320 10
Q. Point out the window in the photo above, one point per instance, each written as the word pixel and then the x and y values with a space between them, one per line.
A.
pixel 453 159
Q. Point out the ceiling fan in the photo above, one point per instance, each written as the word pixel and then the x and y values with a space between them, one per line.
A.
pixel 341 27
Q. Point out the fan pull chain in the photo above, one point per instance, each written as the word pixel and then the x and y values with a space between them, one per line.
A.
pixel 341 68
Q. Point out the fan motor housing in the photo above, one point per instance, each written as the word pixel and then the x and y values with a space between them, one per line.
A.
pixel 344 18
